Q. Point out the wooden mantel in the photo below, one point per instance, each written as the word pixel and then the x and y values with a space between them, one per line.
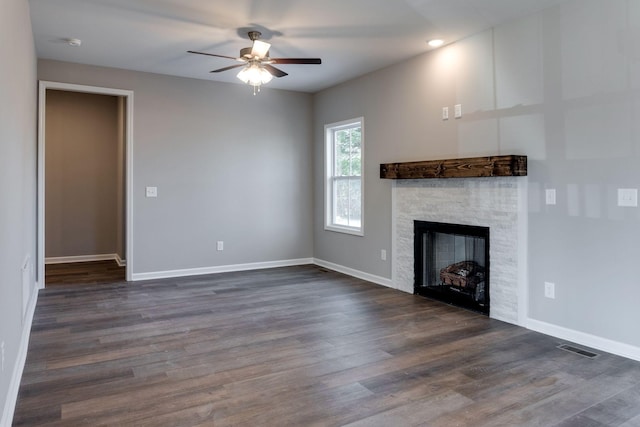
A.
pixel 473 167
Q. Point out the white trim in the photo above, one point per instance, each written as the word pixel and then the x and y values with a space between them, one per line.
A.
pixel 355 273
pixel 345 229
pixel 220 269
pixel 83 258
pixel 121 262
pixel 128 95
pixel 129 189
pixel 18 368
pixel 394 233
pixel 42 90
pixel 523 252
pixel 582 338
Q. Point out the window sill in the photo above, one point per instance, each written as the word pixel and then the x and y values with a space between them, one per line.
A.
pixel 344 230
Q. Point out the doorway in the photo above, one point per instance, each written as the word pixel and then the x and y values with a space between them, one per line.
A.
pixel 112 205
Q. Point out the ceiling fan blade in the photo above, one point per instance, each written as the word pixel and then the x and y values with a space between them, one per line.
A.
pixel 212 54
pixel 260 49
pixel 275 72
pixel 297 60
pixel 230 67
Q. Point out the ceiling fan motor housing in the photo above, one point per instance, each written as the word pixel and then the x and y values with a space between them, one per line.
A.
pixel 245 52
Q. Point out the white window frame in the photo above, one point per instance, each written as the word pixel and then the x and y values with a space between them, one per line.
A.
pixel 329 156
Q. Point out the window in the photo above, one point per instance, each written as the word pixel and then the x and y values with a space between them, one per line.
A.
pixel 344 142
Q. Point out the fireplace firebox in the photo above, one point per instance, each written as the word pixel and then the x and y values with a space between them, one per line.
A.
pixel 452 264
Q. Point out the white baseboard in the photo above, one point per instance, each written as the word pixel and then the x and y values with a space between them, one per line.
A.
pixel 355 273
pixel 82 258
pixel 121 262
pixel 588 340
pixel 220 269
pixel 18 368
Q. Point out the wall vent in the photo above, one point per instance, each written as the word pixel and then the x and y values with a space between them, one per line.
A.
pixel 579 351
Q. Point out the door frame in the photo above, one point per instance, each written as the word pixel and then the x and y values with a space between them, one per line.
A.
pixel 43 85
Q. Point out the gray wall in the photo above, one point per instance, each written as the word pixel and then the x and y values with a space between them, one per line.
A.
pixel 561 87
pixel 18 113
pixel 228 165
pixel 81 179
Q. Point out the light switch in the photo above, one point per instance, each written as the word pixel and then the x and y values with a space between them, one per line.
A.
pixel 550 196
pixel 445 113
pixel 152 191
pixel 457 111
pixel 628 197
pixel 549 290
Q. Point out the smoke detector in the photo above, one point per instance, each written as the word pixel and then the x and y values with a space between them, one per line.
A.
pixel 73 42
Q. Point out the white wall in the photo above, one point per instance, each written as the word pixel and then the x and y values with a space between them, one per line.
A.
pixel 17 186
pixel 228 165
pixel 561 87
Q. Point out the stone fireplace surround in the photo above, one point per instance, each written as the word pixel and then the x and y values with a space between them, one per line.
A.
pixel 499 203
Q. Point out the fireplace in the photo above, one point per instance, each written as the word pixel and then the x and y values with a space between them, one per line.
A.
pixel 452 264
pixel 499 203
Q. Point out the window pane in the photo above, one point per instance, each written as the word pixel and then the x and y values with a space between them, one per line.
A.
pixel 341 202
pixel 355 206
pixel 356 151
pixel 343 153
pixel 348 202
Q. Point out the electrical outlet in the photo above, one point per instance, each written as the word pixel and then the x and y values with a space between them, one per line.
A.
pixel 383 255
pixel 151 191
pixel 628 197
pixel 445 113
pixel 550 290
pixel 220 245
pixel 2 355
pixel 550 196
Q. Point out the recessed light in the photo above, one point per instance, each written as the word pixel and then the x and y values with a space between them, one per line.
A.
pixel 436 43
pixel 74 42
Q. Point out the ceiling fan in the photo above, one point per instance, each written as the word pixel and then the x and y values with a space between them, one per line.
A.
pixel 257 68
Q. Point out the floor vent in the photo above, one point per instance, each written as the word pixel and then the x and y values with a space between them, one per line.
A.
pixel 579 351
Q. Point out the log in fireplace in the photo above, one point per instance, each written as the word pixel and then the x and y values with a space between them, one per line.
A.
pixel 452 264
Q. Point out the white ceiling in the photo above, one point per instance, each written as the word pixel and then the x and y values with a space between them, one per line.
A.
pixel 353 37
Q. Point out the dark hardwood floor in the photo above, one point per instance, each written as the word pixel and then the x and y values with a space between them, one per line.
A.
pixel 301 346
pixel 83 273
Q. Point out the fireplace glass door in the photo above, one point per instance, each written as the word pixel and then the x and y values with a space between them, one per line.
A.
pixel 452 264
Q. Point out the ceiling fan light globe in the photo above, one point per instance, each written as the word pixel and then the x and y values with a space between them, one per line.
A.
pixel 244 75
pixel 255 75
pixel 265 76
